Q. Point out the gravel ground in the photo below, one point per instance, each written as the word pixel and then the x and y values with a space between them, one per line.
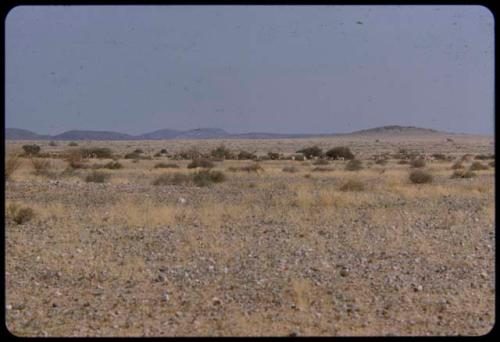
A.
pixel 271 254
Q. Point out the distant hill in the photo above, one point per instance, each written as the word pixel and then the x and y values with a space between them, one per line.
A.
pixel 92 135
pixel 161 134
pixel 203 133
pixel 395 129
pixel 23 134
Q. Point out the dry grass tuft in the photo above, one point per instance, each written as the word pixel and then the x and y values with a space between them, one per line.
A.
pixel 42 167
pixel 463 174
pixel 97 177
pixel 354 165
pixel 201 162
pixel 417 163
pixel 12 163
pixel 477 166
pixel 352 185
pixel 19 214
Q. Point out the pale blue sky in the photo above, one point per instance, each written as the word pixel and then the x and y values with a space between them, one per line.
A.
pixel 283 69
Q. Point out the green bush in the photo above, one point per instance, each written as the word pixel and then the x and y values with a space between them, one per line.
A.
pixel 340 152
pixel 420 177
pixel 313 151
pixel 354 165
pixel 166 166
pixel 31 150
pixel 222 152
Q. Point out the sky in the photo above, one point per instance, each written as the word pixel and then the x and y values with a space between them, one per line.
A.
pixel 281 69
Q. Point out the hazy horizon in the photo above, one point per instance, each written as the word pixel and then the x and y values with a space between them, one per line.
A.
pixel 273 69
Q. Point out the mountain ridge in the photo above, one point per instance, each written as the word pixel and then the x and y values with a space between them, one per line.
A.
pixel 203 133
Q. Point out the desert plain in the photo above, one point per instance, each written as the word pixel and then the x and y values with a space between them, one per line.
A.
pixel 288 248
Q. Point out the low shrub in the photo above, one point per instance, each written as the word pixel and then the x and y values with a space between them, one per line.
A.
pixel 132 155
pixel 477 166
pixel 202 162
pixel 340 152
pixel 206 177
pixel 403 162
pixel 492 164
pixel 439 156
pixel 113 166
pixel 72 144
pixel 166 166
pixel 291 169
pixel 354 165
pixel 273 155
pixel 417 163
pixel 97 177
pixel 172 179
pixel 457 166
pixel 420 177
pixel 52 143
pixel 321 162
pixel 138 151
pixel 381 161
pixel 352 185
pixel 163 151
pixel 222 152
pixel 249 168
pixel 322 169
pixel 484 157
pixel 313 151
pixel 244 155
pixel 96 152
pixel 192 153
pixel 31 150
pixel 462 174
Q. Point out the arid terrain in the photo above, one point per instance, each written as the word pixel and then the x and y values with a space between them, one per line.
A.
pixel 267 248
